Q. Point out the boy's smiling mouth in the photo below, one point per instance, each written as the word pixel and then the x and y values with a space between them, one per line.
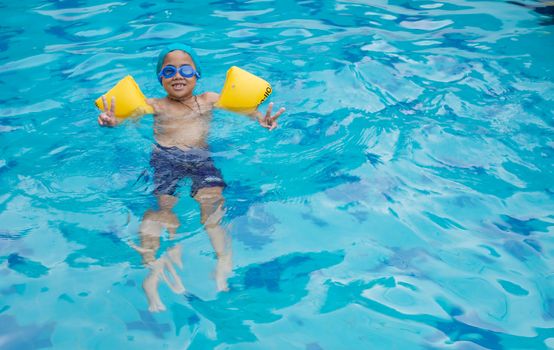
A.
pixel 179 85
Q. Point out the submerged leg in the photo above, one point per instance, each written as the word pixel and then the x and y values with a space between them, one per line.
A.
pixel 211 209
pixel 152 225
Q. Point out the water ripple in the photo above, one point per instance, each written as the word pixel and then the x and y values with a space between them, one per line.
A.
pixel 78 13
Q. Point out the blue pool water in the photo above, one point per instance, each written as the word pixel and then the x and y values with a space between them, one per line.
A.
pixel 405 202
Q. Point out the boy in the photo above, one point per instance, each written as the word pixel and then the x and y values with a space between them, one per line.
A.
pixel 181 125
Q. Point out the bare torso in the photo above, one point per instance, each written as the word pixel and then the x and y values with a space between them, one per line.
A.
pixel 182 124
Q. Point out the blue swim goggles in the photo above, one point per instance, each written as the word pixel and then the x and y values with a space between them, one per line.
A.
pixel 185 71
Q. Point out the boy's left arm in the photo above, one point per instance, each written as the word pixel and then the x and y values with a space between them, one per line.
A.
pixel 267 121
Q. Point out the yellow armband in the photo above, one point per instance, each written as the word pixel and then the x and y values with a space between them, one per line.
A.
pixel 242 91
pixel 129 100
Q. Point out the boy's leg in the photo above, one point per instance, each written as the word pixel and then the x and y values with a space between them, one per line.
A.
pixel 151 227
pixel 211 210
pixel 152 224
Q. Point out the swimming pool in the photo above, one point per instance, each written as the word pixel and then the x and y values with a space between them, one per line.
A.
pixel 406 201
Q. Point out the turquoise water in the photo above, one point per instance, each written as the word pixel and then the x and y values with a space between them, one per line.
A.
pixel 406 201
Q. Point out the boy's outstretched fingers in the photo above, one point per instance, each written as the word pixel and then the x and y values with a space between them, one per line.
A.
pixel 269 121
pixel 105 103
pixel 107 118
pixel 268 112
pixel 273 119
pixel 112 107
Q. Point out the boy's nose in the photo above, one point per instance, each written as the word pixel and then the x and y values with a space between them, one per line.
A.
pixel 178 74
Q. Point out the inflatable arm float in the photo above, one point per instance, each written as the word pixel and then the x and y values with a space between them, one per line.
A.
pixel 129 100
pixel 242 91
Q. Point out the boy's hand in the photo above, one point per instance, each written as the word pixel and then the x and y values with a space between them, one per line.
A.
pixel 270 121
pixel 107 118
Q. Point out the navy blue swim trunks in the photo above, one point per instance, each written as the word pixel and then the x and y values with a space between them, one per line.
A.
pixel 172 164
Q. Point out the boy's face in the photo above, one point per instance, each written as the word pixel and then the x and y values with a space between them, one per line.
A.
pixel 178 86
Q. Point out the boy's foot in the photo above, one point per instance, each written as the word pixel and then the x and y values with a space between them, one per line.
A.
pixel 150 286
